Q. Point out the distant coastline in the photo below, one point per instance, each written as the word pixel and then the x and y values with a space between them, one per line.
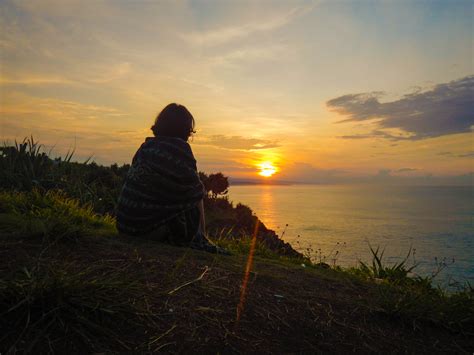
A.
pixel 233 181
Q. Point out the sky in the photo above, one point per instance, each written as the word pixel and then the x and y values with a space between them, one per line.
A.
pixel 322 91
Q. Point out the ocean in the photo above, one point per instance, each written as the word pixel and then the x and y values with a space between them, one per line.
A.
pixel 336 224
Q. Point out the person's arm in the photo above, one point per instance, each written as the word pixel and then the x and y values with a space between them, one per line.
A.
pixel 202 219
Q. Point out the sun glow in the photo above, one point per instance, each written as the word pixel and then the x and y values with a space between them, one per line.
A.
pixel 267 169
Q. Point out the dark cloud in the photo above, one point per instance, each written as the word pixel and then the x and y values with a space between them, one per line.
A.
pixel 379 134
pixel 238 142
pixel 446 109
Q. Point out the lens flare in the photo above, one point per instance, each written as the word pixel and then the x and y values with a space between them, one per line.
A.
pixel 248 268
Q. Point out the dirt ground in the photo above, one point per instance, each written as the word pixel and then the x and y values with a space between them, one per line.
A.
pixel 288 308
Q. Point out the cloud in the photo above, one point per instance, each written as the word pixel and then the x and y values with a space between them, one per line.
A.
pixel 383 173
pixel 238 142
pixel 378 134
pixel 307 173
pixel 226 34
pixel 98 129
pixel 446 109
pixel 248 54
pixel 407 170
pixel 113 72
pixel 35 80
pixel 227 166
pixel 457 155
pixel 55 110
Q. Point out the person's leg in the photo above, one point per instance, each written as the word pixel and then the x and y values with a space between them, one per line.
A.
pixel 160 234
pixel 185 231
pixel 200 241
pixel 184 227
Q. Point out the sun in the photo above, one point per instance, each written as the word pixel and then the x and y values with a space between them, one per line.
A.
pixel 267 169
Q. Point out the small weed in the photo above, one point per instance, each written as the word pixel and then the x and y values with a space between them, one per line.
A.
pixel 396 273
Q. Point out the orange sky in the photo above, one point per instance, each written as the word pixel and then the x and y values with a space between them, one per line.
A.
pixel 267 82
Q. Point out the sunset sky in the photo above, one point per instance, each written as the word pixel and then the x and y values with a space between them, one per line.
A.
pixel 325 91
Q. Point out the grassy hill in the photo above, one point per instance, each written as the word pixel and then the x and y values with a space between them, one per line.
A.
pixel 70 283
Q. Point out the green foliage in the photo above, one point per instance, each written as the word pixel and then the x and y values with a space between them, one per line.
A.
pixel 50 214
pixel 215 184
pixel 24 166
pixel 396 273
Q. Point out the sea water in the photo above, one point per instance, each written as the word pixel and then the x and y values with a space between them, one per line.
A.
pixel 336 224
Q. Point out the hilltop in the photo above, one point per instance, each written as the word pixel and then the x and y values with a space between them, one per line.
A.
pixel 71 284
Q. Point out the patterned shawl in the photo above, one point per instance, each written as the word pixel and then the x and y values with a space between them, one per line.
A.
pixel 162 182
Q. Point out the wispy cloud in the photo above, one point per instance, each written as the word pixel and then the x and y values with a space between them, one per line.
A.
pixel 246 54
pixel 457 155
pixel 226 34
pixel 35 80
pixel 407 170
pixel 20 107
pixel 446 109
pixel 115 71
pixel 237 142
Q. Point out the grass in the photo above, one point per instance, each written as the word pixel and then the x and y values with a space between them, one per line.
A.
pixel 49 215
pixel 377 270
pixel 61 308
pixel 26 166
pixel 241 246
pixel 415 298
pixel 419 303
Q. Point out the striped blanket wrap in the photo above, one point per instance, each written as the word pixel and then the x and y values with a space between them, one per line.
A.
pixel 161 184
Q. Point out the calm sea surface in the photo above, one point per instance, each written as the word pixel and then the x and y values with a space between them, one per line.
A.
pixel 338 222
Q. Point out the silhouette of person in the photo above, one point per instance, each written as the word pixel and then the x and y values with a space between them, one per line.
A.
pixel 162 196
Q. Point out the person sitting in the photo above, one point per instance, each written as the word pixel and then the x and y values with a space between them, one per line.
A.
pixel 162 196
